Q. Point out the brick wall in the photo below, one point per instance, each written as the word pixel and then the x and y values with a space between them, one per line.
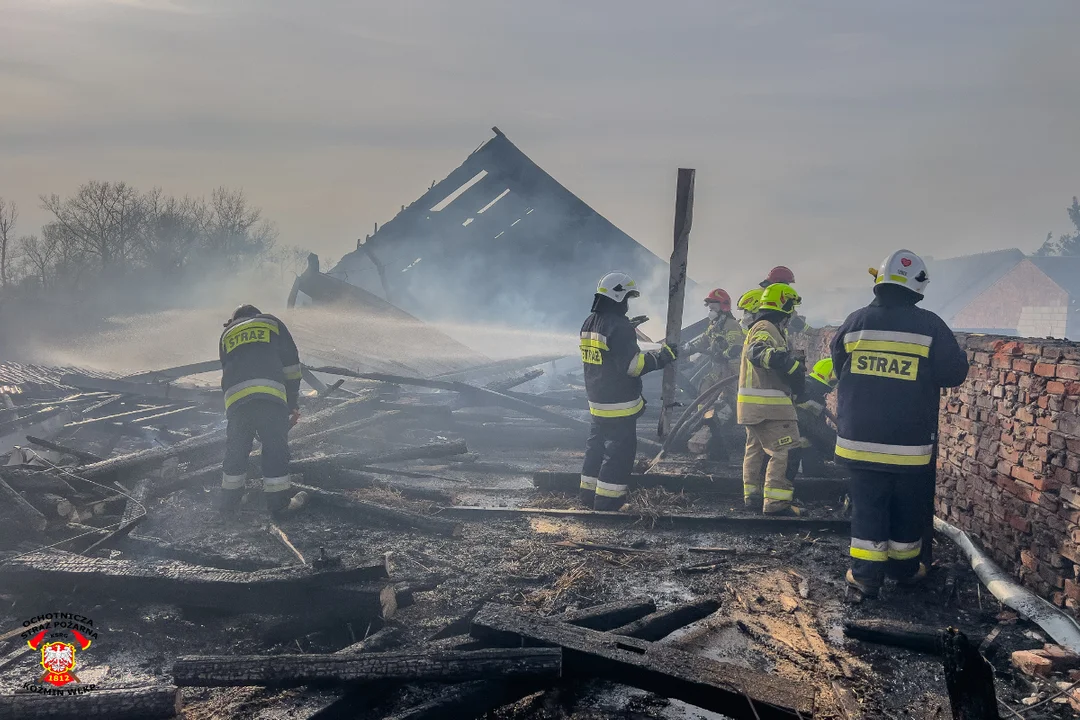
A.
pixel 1009 457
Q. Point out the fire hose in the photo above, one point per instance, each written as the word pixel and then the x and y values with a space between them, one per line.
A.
pixel 693 412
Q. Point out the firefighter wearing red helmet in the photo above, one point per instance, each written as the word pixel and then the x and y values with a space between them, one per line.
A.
pixel 720 347
pixel 783 274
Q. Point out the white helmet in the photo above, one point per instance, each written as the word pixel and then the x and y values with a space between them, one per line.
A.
pixel 618 286
pixel 903 268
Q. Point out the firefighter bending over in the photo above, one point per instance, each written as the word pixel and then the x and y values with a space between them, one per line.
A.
pixel 613 365
pixel 260 376
pixel 769 377
pixel 892 359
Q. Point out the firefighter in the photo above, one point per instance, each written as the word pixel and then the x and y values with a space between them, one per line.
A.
pixel 260 376
pixel 720 346
pixel 819 439
pixel 769 377
pixel 892 359
pixel 783 274
pixel 613 365
pixel 748 303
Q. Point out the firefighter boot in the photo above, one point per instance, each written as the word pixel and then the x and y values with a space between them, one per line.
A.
pixel 277 503
pixel 587 492
pixel 863 589
pixel 229 501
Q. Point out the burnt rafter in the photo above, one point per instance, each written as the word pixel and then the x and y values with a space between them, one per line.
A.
pixel 464 244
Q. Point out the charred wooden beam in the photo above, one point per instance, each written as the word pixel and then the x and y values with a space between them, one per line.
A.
pixel 26 512
pixel 379 641
pixel 726 485
pixel 291 590
pixel 501 386
pixel 394 517
pixel 662 623
pixel 471 699
pixel 143 546
pixel 741 523
pixel 175 373
pixel 37 481
pixel 921 638
pixel 333 415
pixel 86 457
pixel 969 678
pixel 720 687
pixel 347 478
pixel 121 531
pixel 144 389
pixel 140 703
pixel 323 435
pixel 292 670
pixel 610 615
pixel 684 220
pixel 121 466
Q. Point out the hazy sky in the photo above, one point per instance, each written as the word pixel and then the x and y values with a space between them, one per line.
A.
pixel 824 133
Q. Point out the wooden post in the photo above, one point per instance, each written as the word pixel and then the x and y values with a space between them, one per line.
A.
pixel 684 218
pixel 969 678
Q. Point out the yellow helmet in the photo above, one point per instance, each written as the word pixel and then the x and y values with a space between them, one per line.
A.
pixel 779 297
pixel 823 372
pixel 751 299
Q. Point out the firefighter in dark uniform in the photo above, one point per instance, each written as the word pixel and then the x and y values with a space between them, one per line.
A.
pixel 819 439
pixel 613 365
pixel 260 376
pixel 892 359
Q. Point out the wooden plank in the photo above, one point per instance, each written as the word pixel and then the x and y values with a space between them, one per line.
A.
pixel 29 514
pixel 726 485
pixel 395 517
pixel 662 623
pixel 921 638
pixel 141 703
pixel 291 670
pixel 684 220
pixel 609 616
pixel 738 523
pixel 471 699
pixel 969 678
pixel 175 373
pixel 144 389
pixel 287 590
pixel 82 455
pixel 731 690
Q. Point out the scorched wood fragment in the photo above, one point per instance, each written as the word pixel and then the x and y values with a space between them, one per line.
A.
pixel 610 615
pixel 969 678
pixel 664 622
pixel 288 670
pixel 121 466
pixel 29 514
pixel 922 638
pixel 298 591
pixel 727 485
pixel 145 703
pixel 388 515
pixel 728 689
pixel 471 699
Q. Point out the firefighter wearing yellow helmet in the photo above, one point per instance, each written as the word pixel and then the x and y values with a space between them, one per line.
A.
pixel 748 303
pixel 770 376
pixel 613 366
pixel 892 360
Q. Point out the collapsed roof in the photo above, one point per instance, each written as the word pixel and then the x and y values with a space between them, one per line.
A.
pixel 500 240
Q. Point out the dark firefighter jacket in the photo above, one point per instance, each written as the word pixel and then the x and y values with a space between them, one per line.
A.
pixel 614 365
pixel 892 361
pixel 259 360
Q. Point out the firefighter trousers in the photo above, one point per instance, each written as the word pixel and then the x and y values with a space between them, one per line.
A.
pixel 609 460
pixel 773 440
pixel 269 421
pixel 888 517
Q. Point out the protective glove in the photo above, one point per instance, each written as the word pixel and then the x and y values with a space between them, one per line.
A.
pixel 667 355
pixel 797 381
pixel 294 417
pixel 638 320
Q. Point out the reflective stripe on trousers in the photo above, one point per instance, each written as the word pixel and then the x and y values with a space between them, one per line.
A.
pixel 276 484
pixel 882 453
pixel 232 482
pixel 610 490
pixel 588 483
pixel 869 550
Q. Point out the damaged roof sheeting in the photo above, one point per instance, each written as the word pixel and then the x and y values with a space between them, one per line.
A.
pixel 496 238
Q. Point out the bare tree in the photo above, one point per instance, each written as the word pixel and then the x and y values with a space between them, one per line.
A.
pixel 41 255
pixel 237 231
pixel 9 215
pixel 102 219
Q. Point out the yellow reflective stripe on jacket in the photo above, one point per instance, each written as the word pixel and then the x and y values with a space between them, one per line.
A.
pixel 637 365
pixel 888 341
pixel 904 551
pixel 591 343
pixel 869 550
pixel 253 387
pixel 882 453
pixel 754 396
pixel 612 410
pixel 292 372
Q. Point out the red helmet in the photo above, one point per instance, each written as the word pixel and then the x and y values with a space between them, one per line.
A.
pixel 721 298
pixel 780 274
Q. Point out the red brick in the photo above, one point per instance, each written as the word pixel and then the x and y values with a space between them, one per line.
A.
pixel 1045 369
pixel 1055 387
pixel 1028 560
pixel 1031 663
pixel 1023 474
pixel 1020 523
pixel 1068 372
pixel 1021 365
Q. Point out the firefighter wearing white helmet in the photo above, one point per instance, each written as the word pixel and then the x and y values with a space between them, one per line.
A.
pixel 892 359
pixel 613 364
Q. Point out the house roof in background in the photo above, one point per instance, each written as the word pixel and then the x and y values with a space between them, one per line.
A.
pixel 1063 270
pixel 955 282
